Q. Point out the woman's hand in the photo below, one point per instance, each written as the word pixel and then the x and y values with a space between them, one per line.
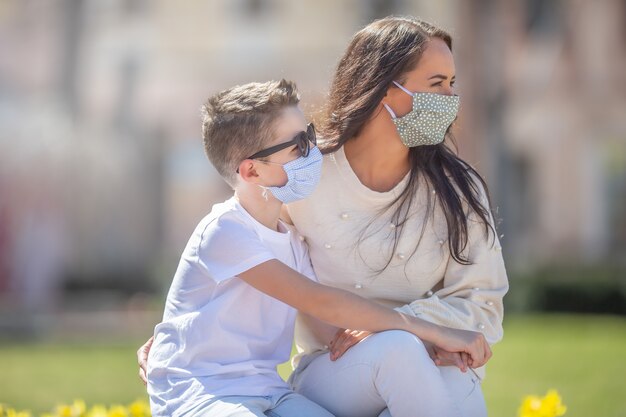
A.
pixel 344 339
pixel 444 358
pixel 142 359
pixel 472 348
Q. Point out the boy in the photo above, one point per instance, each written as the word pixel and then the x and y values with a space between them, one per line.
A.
pixel 230 311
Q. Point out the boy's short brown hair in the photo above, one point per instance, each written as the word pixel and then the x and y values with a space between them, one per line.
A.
pixel 239 122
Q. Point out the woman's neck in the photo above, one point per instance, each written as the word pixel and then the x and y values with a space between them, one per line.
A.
pixel 377 155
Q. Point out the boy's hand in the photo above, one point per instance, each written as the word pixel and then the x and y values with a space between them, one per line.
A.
pixel 142 359
pixel 344 339
pixel 472 344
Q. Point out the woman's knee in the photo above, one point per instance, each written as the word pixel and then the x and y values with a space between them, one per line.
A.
pixel 398 346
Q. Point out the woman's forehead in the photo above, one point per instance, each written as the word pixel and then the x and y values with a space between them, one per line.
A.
pixel 436 59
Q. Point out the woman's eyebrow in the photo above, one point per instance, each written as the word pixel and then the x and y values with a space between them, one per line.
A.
pixel 443 77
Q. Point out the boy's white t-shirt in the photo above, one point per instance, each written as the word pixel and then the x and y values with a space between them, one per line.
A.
pixel 219 335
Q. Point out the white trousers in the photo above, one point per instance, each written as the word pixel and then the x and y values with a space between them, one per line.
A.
pixel 286 405
pixel 389 374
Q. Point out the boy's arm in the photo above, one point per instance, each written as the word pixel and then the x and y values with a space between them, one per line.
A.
pixel 323 332
pixel 344 309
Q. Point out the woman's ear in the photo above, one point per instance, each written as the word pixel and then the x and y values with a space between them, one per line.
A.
pixel 392 92
pixel 388 91
pixel 248 172
pixel 390 96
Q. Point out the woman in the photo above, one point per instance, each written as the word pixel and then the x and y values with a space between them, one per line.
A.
pixel 400 219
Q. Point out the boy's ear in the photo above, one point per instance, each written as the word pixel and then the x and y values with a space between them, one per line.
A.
pixel 248 172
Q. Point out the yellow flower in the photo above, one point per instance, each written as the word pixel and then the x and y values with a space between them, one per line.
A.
pixel 530 407
pixel 78 408
pixel 98 411
pixel 118 411
pixel 552 405
pixel 11 412
pixel 139 408
pixel 64 410
pixel 548 406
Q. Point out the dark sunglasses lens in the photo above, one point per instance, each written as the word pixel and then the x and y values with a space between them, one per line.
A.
pixel 310 133
pixel 303 144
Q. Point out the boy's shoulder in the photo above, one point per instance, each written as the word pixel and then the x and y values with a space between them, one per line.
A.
pixel 225 219
pixel 228 224
pixel 226 210
pixel 225 242
pixel 229 241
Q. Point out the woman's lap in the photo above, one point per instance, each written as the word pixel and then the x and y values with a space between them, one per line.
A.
pixel 389 369
pixel 288 405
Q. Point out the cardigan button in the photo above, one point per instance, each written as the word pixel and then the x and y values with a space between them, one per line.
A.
pixel 481 326
pixel 344 216
pixel 328 245
pixel 429 294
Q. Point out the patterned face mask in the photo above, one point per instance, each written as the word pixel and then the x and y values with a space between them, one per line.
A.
pixel 303 175
pixel 427 123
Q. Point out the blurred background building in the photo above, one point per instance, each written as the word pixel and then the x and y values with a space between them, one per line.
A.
pixel 103 175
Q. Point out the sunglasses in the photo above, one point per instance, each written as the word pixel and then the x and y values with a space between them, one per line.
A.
pixel 302 139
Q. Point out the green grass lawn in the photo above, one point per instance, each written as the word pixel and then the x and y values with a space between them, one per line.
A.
pixel 583 357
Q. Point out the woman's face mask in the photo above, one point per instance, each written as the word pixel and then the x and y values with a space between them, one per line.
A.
pixel 428 121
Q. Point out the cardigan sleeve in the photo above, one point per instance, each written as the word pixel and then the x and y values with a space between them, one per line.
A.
pixel 471 296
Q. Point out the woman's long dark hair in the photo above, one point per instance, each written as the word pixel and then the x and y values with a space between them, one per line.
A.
pixel 384 51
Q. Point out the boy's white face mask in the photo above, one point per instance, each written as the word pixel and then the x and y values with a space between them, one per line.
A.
pixel 303 175
pixel 428 121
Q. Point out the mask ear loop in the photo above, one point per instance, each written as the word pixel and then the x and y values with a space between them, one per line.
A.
pixel 391 112
pixel 264 192
pixel 401 87
pixel 393 115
